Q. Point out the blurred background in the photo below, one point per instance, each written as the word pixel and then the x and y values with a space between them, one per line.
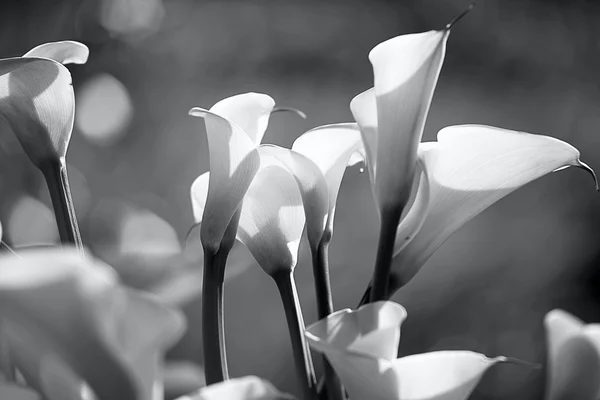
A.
pixel 525 65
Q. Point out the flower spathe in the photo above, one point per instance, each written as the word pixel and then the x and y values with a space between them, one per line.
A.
pixel 234 128
pixel 362 346
pixel 67 323
pixel 469 168
pixel 245 388
pixel 37 99
pixel 573 357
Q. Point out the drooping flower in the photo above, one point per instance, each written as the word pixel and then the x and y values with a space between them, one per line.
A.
pixel 68 326
pixel 245 388
pixel 362 346
pixel 469 168
pixel 573 358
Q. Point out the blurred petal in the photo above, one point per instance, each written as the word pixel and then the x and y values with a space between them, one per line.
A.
pixel 233 164
pixel 272 219
pixel 10 391
pixel 37 102
pixel 406 70
pixel 182 377
pixel 55 304
pixel 246 388
pixel 573 358
pixel 311 183
pixel 65 52
pixel 249 111
pixel 199 194
pixel 331 148
pixel 470 168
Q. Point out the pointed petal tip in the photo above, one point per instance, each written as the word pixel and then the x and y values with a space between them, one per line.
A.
pixel 585 167
pixel 459 16
pixel 197 112
pixel 520 363
pixel 296 111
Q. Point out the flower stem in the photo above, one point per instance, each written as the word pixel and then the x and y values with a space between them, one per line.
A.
pixel 385 251
pixel 293 313
pixel 324 308
pixel 213 330
pixel 55 173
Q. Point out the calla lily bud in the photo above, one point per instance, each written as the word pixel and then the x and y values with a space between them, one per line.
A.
pixel 234 127
pixel 246 388
pixel 67 324
pixel 469 168
pixel 573 357
pixel 362 346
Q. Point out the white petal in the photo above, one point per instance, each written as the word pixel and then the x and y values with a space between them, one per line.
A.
pixel 249 111
pixel 470 168
pixel 272 219
pixel 233 164
pixel 331 148
pixel 245 388
pixel 373 330
pixel 37 102
pixel 312 186
pixel 406 70
pixel 65 52
pixel 199 194
pixel 364 110
pixel 441 375
pixel 15 392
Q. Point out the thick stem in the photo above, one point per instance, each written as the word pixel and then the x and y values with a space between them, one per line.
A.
pixel 293 313
pixel 55 173
pixel 385 252
pixel 213 330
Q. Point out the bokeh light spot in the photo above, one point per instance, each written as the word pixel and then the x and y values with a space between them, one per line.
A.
pixel 31 222
pixel 145 234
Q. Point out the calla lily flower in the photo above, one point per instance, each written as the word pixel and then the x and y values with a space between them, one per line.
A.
pixel 573 358
pixel 15 392
pixel 469 168
pixel 362 346
pixel 66 323
pixel 234 127
pixel 246 388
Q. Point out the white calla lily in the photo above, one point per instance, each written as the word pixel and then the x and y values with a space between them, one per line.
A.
pixel 67 323
pixel 234 127
pixel 64 52
pixel 469 168
pixel 362 346
pixel 573 357
pixel 245 388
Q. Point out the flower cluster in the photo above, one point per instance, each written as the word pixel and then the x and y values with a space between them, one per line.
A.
pixel 70 330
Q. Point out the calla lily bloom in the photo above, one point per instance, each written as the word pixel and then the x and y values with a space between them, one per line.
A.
pixel 573 358
pixel 246 388
pixel 66 323
pixel 38 103
pixel 15 392
pixel 362 346
pixel 468 169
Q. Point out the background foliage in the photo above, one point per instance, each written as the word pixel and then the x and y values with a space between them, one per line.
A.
pixel 525 65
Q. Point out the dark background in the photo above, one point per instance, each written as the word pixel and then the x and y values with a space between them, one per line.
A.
pixel 525 65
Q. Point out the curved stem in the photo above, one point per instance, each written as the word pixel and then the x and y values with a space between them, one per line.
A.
pixel 213 330
pixel 293 313
pixel 385 252
pixel 55 173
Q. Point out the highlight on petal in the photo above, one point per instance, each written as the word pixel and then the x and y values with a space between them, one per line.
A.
pixel 573 357
pixel 245 388
pixel 249 111
pixel 199 194
pixel 332 148
pixel 311 183
pixel 37 102
pixel 373 330
pixel 59 309
pixel 272 219
pixel 469 168
pixel 406 69
pixel 64 52
pixel 233 164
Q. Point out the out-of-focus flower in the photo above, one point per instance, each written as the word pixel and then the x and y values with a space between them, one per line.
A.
pixel 245 388
pixel 573 358
pixel 11 391
pixel 67 323
pixel 362 346
pixel 469 168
